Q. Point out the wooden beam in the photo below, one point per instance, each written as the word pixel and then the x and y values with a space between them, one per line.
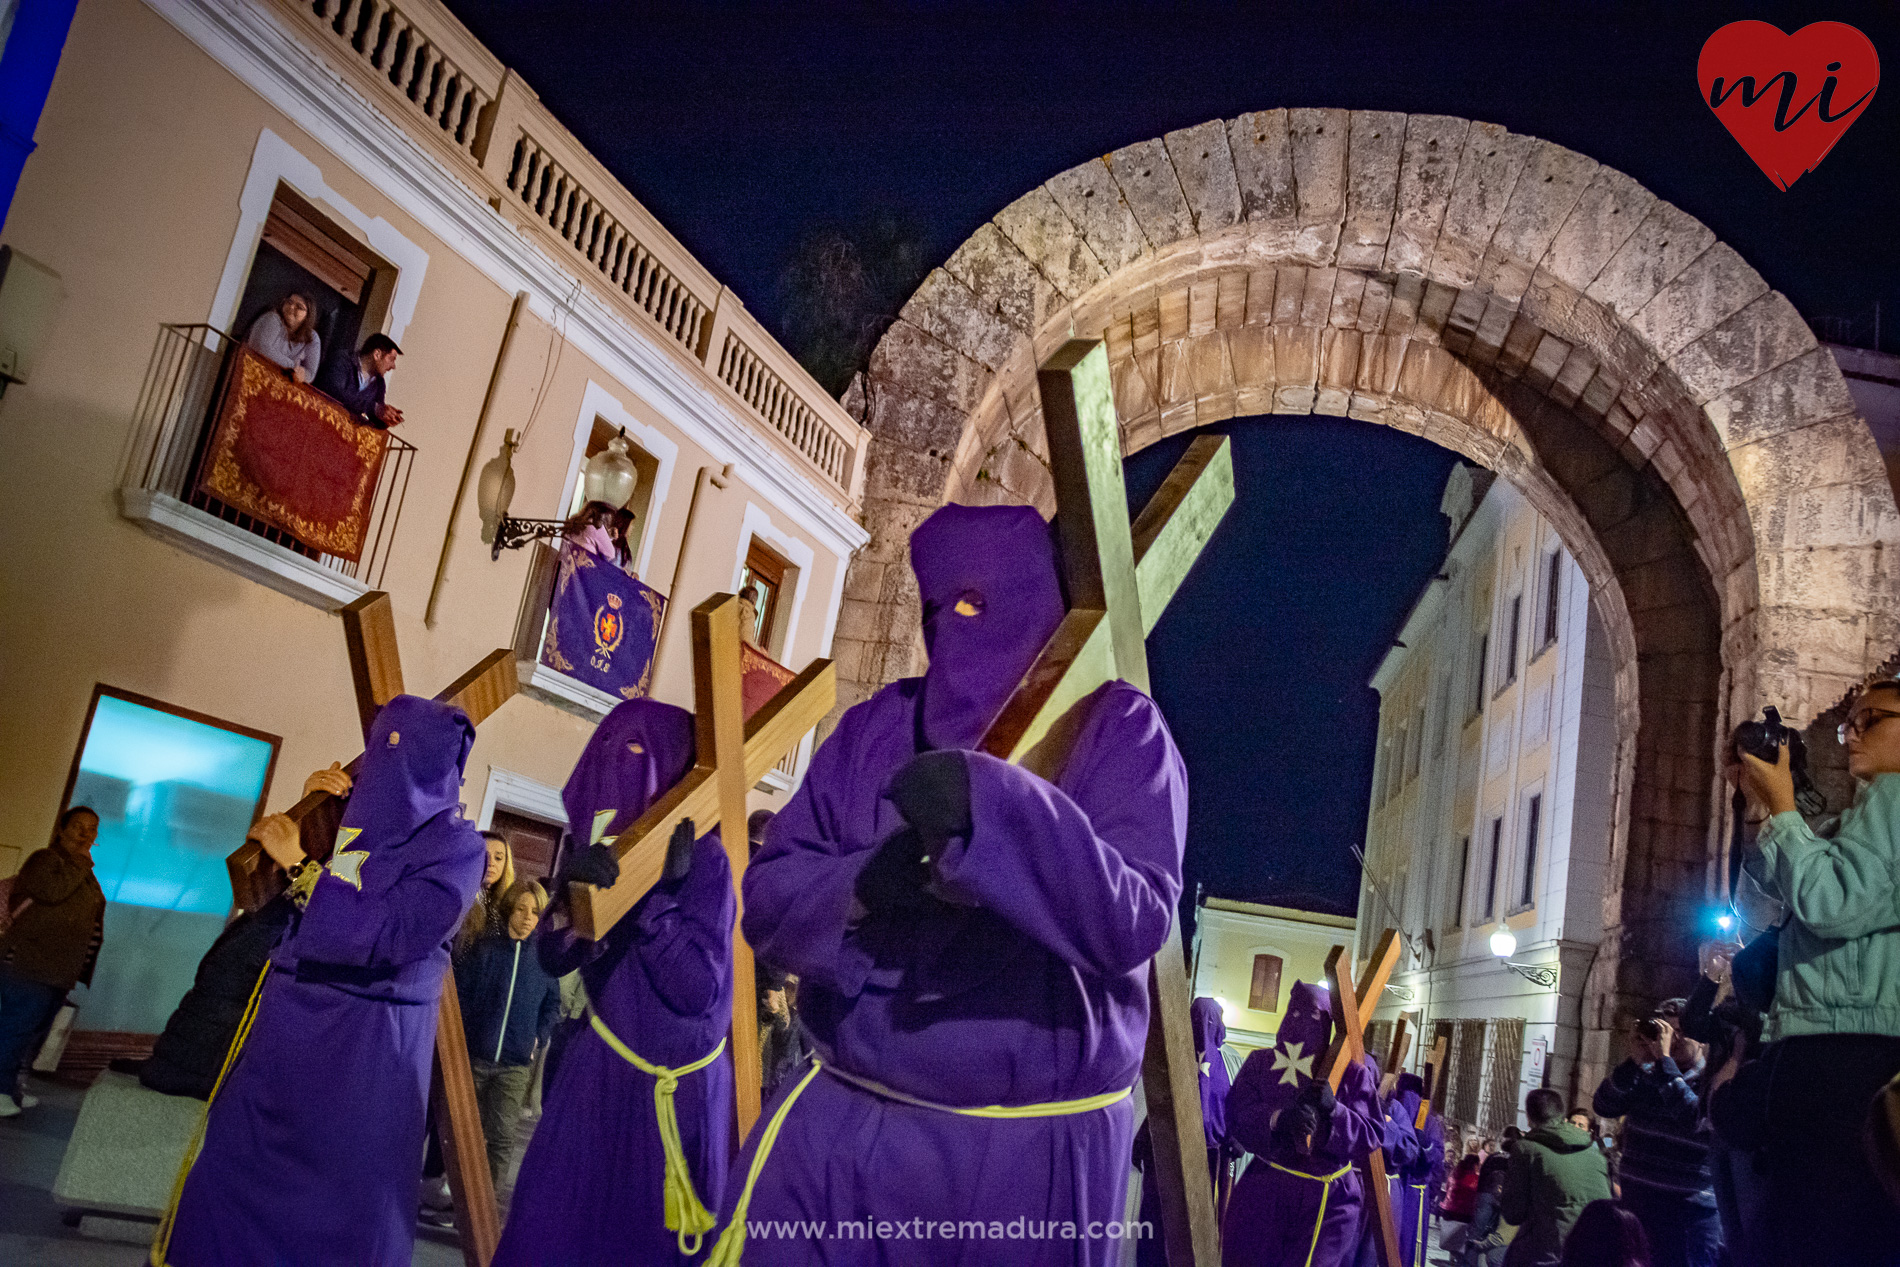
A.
pixel 1349 1046
pixel 1433 1064
pixel 458 1121
pixel 1172 1087
pixel 772 732
pixel 369 631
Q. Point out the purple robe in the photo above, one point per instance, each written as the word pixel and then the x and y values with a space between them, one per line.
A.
pixel 1286 1211
pixel 1025 984
pixel 1210 1031
pixel 590 1187
pixel 1421 1179
pixel 1399 1150
pixel 313 1144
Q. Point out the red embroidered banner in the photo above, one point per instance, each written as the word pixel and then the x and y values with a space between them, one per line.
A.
pixel 760 678
pixel 291 457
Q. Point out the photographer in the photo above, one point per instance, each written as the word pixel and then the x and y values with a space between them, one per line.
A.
pixel 1833 1028
pixel 1666 1175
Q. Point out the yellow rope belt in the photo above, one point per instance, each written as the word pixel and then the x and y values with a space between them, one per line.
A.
pixel 1325 1183
pixel 1424 1222
pixel 686 1215
pixel 732 1241
pixel 162 1242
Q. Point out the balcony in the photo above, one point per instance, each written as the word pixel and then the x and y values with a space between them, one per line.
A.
pixel 162 483
pixel 432 77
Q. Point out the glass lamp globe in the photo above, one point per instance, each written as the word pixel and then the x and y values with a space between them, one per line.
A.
pixel 610 475
pixel 1503 943
pixel 495 490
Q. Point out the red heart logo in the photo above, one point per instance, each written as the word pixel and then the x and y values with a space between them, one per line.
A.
pixel 1787 98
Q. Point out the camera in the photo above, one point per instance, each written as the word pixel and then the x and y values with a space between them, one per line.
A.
pixel 1763 739
pixel 1649 1028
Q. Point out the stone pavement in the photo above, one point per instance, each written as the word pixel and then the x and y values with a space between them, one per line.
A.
pixel 31 1231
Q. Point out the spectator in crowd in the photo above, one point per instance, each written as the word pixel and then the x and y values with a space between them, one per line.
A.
pixel 1483 1243
pixel 749 600
pixel 1461 1194
pixel 783 1049
pixel 58 923
pixel 622 532
pixel 486 918
pixel 1584 1120
pixel 509 1006
pixel 1833 1027
pixel 1606 1235
pixel 359 382
pixel 591 529
pixel 1554 1172
pixel 1667 1182
pixel 286 336
pixel 1730 1029
pixel 188 1055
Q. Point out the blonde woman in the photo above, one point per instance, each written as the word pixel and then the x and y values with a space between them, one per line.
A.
pixel 487 914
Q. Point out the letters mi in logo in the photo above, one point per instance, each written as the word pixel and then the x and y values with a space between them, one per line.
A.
pixel 609 628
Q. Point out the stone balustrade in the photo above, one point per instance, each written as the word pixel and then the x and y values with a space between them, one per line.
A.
pixel 436 79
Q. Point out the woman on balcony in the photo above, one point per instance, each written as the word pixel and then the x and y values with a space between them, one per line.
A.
pixel 286 336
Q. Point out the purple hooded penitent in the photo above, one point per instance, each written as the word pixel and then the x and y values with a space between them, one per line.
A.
pixel 1421 1180
pixel 1210 1031
pixel 1025 984
pixel 590 1188
pixel 1399 1147
pixel 312 1143
pixel 1292 1208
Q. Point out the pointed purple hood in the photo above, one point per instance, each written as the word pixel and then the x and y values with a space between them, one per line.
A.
pixel 1210 1031
pixel 411 770
pixel 1410 1091
pixel 992 595
pixel 638 751
pixel 1308 1020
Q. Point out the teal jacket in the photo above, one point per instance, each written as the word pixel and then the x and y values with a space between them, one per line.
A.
pixel 1838 970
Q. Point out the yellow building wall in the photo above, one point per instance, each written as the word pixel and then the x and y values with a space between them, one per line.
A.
pixel 132 197
pixel 1231 933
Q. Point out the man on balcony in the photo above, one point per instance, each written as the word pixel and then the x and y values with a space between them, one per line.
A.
pixel 357 383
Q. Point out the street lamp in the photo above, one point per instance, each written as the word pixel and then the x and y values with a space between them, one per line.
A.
pixel 1504 945
pixel 609 477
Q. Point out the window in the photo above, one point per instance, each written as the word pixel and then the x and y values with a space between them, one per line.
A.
pixel 533 841
pixel 1506 1072
pixel 1491 875
pixel 175 792
pixel 1395 769
pixel 639 502
pixel 766 571
pixel 1507 666
pixel 1553 588
pixel 1477 673
pixel 1417 748
pixel 1444 717
pixel 1381 764
pixel 1464 879
pixel 1533 812
pixel 1263 992
pixel 1467 1067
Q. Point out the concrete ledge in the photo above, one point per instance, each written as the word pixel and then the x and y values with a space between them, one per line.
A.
pixel 125 1149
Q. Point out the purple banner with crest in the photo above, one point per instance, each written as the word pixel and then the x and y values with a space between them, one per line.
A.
pixel 601 625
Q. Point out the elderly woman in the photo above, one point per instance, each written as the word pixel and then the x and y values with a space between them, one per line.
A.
pixel 1833 1028
pixel 286 336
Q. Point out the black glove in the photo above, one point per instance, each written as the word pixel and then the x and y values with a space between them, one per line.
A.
pixel 679 852
pixel 1318 1096
pixel 932 792
pixel 895 877
pixel 1294 1128
pixel 595 865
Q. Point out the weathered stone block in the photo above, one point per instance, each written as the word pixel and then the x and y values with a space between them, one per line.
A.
pixel 1376 145
pixel 1260 296
pixel 1606 214
pixel 1172 309
pixel 1408 292
pixel 1487 172
pixel 947 309
pixel 1204 164
pixel 1666 242
pixel 1545 363
pixel 1349 288
pixel 1766 334
pixel 1230 303
pixel 1048 239
pixel 1578 369
pixel 1427 169
pixel 1488 339
pixel 1203 301
pixel 1295 356
pixel 1263 169
pixel 1318 139
pixel 896 473
pixel 1375 304
pixel 1289 295
pixel 1153 194
pixel 1316 302
pixel 1250 352
pixel 915 362
pixel 1091 199
pixel 1806 390
pixel 1209 368
pixel 990 265
pixel 1544 194
pixel 1134 394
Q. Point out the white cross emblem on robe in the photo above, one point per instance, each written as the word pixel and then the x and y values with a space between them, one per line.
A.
pixel 347 864
pixel 1295 1065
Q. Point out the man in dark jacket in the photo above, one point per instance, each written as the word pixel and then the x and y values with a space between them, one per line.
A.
pixel 59 916
pixel 357 382
pixel 190 1053
pixel 509 1004
pixel 1555 1172
pixel 1667 1179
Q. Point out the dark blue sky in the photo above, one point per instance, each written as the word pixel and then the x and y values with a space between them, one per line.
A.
pixel 746 127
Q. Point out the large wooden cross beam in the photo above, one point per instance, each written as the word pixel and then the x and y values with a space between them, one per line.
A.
pixel 731 755
pixel 1350 1003
pixel 369 629
pixel 1434 1063
pixel 1119 580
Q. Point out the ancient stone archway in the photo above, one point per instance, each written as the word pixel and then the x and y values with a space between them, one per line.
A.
pixel 1508 298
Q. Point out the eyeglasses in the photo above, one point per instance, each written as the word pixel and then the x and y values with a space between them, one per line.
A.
pixel 1861 723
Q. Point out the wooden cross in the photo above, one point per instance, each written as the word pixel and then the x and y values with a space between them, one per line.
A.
pixel 1432 1066
pixel 369 629
pixel 1119 580
pixel 731 755
pixel 1348 1005
pixel 1396 1053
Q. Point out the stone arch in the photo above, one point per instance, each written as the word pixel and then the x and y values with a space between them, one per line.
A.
pixel 1506 297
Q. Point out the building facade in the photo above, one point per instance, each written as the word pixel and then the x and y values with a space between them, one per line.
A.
pixel 1491 807
pixel 1247 957
pixel 199 159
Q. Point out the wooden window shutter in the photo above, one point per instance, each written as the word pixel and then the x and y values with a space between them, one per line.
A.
pixel 296 229
pixel 1263 995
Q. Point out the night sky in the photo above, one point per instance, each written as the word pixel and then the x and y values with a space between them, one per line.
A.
pixel 746 128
